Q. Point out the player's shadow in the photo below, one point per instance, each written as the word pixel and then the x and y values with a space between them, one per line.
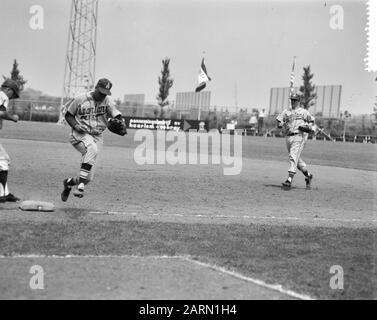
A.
pixel 279 186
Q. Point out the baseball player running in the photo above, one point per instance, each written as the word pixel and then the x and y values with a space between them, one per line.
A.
pixel 88 116
pixel 298 123
pixel 9 90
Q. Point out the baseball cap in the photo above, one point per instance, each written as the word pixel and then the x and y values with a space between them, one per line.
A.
pixel 104 86
pixel 11 84
pixel 295 97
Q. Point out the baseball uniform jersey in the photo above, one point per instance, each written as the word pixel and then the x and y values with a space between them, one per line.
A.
pixel 4 100
pixel 295 118
pixel 4 157
pixel 91 114
pixel 295 139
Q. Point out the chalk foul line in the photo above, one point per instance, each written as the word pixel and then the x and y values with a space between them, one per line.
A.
pixel 275 287
pixel 221 216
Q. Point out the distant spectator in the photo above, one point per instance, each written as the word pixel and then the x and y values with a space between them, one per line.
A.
pixel 253 121
pixel 261 117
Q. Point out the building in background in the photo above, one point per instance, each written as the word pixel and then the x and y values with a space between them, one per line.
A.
pixel 190 103
pixel 327 103
pixel 186 101
pixel 134 99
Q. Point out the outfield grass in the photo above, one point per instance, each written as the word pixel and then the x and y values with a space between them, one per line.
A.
pixel 297 256
pixel 346 155
pixel 300 258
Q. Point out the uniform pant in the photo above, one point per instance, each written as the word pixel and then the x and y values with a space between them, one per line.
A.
pixel 4 159
pixel 89 146
pixel 295 145
pixel 4 166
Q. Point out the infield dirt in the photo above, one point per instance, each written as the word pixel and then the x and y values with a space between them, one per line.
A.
pixel 335 223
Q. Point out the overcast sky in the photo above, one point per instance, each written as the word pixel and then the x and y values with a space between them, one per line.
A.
pixel 249 47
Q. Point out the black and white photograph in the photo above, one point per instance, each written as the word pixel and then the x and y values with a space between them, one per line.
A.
pixel 205 152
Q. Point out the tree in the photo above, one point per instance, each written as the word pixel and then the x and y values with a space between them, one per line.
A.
pixel 165 83
pixel 307 89
pixel 156 111
pixel 375 112
pixel 15 75
pixel 134 111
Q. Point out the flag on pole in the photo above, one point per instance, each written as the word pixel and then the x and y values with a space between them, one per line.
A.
pixel 203 77
pixel 292 79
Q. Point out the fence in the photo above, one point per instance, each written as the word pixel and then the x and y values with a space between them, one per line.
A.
pixel 217 117
pixel 34 110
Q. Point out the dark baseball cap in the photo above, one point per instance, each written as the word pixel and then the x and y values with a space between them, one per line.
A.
pixel 11 84
pixel 104 86
pixel 295 97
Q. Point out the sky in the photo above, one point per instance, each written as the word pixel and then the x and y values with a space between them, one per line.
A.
pixel 249 46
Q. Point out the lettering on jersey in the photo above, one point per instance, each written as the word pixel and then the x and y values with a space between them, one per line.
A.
pixel 83 110
pixel 297 115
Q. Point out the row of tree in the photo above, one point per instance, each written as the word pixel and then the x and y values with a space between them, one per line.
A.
pixel 307 89
pixel 166 82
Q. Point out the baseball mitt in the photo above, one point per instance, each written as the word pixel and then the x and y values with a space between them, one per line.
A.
pixel 305 128
pixel 117 126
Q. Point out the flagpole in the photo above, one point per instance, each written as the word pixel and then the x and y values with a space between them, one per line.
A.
pixel 292 74
pixel 292 79
pixel 235 95
pixel 200 96
pixel 200 106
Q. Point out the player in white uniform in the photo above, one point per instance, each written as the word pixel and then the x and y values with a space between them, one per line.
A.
pixel 88 114
pixel 295 121
pixel 9 90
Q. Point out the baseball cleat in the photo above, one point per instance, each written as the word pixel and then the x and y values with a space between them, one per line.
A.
pixel 79 191
pixel 308 181
pixel 287 184
pixel 10 198
pixel 66 191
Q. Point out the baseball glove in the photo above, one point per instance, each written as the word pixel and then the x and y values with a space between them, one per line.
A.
pixel 117 126
pixel 305 128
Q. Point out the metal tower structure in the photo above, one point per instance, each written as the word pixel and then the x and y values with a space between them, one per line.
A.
pixel 80 59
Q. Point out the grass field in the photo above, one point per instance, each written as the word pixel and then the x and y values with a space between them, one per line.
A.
pixel 244 223
pixel 345 155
